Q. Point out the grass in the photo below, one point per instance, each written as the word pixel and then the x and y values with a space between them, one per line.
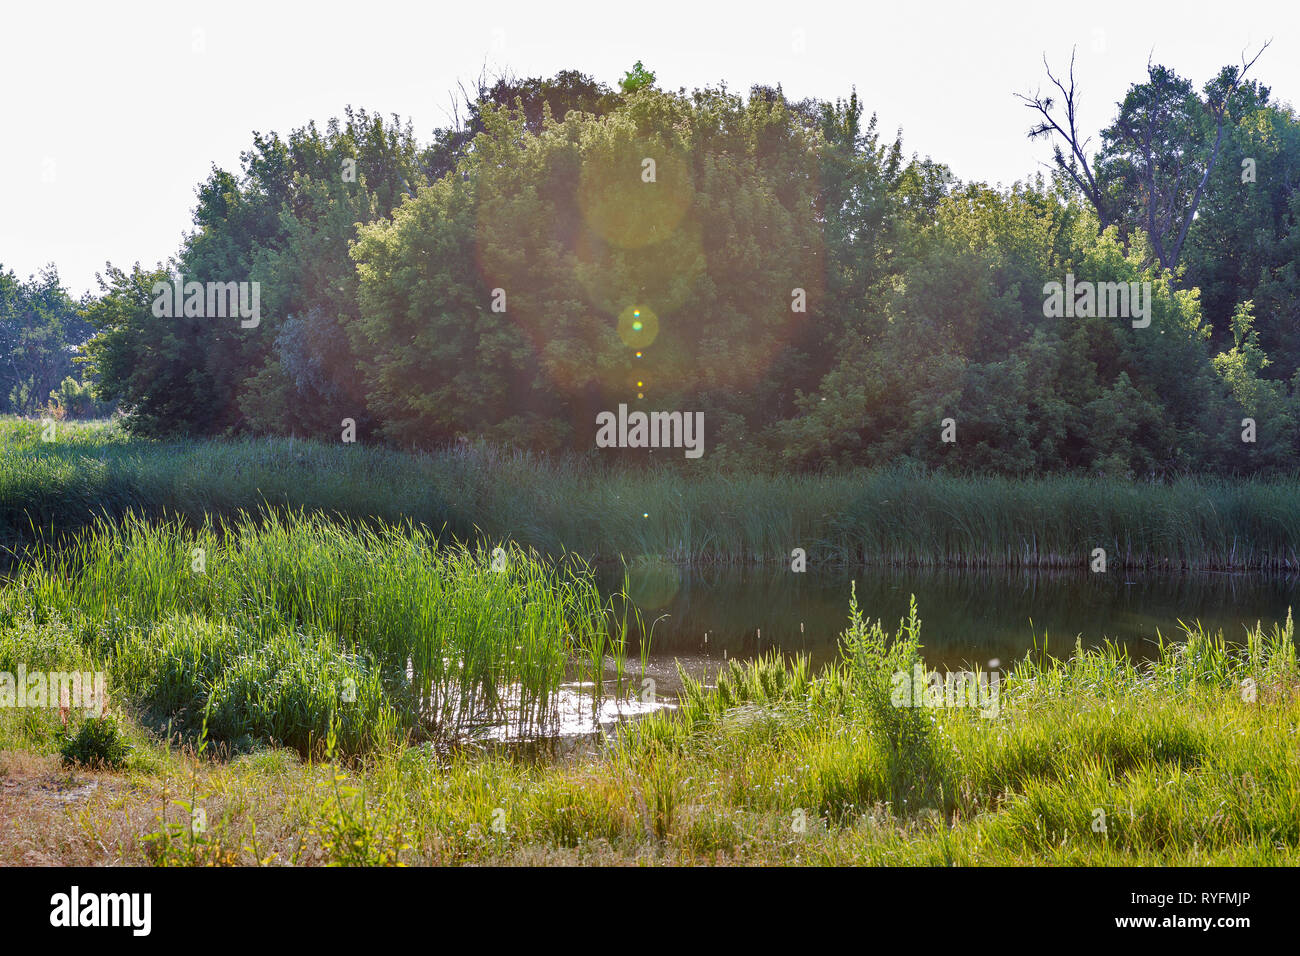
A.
pixel 477 493
pixel 1090 760
pixel 284 672
pixel 272 628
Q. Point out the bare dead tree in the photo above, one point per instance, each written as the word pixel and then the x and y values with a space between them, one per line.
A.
pixel 482 86
pixel 1076 166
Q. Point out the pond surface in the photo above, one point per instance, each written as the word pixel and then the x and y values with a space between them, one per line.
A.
pixel 968 617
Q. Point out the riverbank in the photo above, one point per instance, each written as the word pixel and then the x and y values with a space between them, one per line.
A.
pixel 891 516
pixel 1093 761
pixel 291 690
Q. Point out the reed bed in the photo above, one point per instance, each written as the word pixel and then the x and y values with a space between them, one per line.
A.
pixel 268 627
pixel 685 516
pixel 1090 759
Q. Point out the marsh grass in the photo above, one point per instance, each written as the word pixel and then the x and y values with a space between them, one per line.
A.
pixel 481 494
pixel 271 627
pixel 1178 764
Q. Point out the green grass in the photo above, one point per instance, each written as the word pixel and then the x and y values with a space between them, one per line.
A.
pixel 1090 760
pixel 270 628
pixel 1095 759
pixel 678 514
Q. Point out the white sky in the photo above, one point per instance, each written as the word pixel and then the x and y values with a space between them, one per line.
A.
pixel 111 116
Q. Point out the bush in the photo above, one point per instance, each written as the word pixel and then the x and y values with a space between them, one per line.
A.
pixel 73 399
pixel 290 690
pixel 98 742
pixel 870 659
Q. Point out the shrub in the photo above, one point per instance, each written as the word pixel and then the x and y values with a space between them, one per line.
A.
pixel 290 690
pixel 98 742
pixel 914 756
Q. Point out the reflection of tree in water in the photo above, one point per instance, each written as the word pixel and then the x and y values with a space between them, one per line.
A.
pixel 968 617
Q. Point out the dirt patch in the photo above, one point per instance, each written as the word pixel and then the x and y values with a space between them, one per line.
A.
pixel 51 816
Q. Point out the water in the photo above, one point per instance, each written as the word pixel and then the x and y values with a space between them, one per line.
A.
pixel 968 617
pixel 701 619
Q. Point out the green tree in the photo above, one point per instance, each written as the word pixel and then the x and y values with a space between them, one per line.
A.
pixel 40 331
pixel 1244 245
pixel 636 79
pixel 1263 400
pixel 1158 155
pixel 694 211
pixel 149 365
pixel 284 223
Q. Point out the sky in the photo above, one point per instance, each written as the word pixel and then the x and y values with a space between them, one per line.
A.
pixel 113 114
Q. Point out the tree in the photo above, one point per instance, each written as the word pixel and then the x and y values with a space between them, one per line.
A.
pixel 1074 164
pixel 151 366
pixel 779 266
pixel 284 223
pixel 568 91
pixel 1244 245
pixel 1264 400
pixel 691 216
pixel 637 78
pixel 1157 156
pixel 40 330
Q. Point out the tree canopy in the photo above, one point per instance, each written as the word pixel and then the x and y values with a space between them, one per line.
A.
pixel 780 266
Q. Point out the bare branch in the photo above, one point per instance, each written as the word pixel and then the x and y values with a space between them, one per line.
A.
pixel 1077 168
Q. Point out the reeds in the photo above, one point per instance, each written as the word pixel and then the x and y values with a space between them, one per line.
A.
pixel 1094 758
pixel 270 625
pixel 481 495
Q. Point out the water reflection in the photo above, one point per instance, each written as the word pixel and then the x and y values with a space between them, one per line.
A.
pixel 968 617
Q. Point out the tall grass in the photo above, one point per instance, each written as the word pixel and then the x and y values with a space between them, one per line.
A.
pixel 482 494
pixel 1190 759
pixel 268 626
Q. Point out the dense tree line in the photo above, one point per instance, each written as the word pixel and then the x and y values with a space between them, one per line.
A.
pixel 565 247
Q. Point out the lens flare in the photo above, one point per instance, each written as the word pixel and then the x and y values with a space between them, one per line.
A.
pixel 652 580
pixel 638 327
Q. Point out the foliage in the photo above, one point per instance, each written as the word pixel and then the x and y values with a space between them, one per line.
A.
pixel 97 742
pixel 637 78
pixel 40 330
pixel 779 266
